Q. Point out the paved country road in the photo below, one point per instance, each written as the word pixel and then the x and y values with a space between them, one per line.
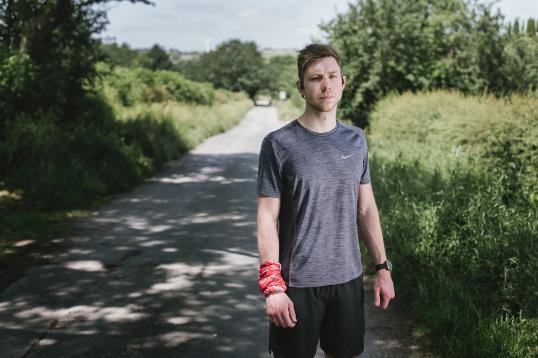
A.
pixel 166 270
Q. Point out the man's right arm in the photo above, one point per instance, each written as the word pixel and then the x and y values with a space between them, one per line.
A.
pixel 279 307
pixel 268 209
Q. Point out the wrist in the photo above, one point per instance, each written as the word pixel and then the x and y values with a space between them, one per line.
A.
pixel 384 266
pixel 383 273
pixel 270 279
pixel 274 293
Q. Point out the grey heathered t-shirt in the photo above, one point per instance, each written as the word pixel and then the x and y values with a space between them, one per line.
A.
pixel 316 176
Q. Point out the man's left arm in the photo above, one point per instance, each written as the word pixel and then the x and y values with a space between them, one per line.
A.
pixel 370 231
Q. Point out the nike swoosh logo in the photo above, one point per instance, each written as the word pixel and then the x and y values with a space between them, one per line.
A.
pixel 347 156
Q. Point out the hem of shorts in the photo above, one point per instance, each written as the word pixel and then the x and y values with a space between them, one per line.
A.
pixel 291 284
pixel 272 350
pixel 334 355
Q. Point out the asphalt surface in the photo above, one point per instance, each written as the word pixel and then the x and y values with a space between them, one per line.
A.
pixel 167 270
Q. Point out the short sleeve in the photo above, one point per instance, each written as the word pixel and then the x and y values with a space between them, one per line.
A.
pixel 365 176
pixel 269 170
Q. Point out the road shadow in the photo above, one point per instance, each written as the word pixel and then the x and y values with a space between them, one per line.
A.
pixel 168 269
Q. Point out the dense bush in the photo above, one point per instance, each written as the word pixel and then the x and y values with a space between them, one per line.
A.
pixel 184 90
pixel 57 168
pixel 130 86
pixel 18 74
pixel 456 182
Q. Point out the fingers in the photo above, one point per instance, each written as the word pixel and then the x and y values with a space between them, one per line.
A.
pixel 277 318
pixel 281 319
pixel 386 296
pixel 376 296
pixel 274 317
pixel 292 312
pixel 385 301
pixel 274 320
pixel 285 318
pixel 291 319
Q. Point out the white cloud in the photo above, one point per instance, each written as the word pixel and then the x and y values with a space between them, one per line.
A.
pixel 518 8
pixel 249 14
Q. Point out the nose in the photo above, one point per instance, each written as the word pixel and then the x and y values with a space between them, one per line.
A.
pixel 325 84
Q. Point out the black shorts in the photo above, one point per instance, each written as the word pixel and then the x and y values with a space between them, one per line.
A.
pixel 334 314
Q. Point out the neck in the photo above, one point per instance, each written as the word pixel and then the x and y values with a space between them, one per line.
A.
pixel 318 121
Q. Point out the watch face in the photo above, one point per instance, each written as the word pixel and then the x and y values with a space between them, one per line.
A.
pixel 389 265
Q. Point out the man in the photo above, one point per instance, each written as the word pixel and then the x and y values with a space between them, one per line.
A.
pixel 314 198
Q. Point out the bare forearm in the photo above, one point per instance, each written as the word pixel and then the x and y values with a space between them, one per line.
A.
pixel 370 232
pixel 267 241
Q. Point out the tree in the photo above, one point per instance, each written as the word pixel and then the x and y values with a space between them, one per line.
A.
pixel 54 40
pixel 233 65
pixel 488 51
pixel 531 27
pixel 281 74
pixel 516 26
pixel 158 59
pixel 121 55
pixel 412 45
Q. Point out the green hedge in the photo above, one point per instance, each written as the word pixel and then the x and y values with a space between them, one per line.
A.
pixel 456 183
pixel 130 86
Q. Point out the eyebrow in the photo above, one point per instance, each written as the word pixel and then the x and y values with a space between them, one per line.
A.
pixel 320 74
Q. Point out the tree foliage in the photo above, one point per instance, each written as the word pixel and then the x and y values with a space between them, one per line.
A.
pixel 531 27
pixel 234 65
pixel 412 45
pixel 281 72
pixel 50 43
pixel 157 59
pixel 120 55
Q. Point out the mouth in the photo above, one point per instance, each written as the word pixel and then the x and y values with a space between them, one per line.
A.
pixel 328 97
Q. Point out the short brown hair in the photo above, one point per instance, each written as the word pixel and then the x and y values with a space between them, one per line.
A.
pixel 310 54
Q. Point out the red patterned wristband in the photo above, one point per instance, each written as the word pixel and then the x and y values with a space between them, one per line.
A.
pixel 270 279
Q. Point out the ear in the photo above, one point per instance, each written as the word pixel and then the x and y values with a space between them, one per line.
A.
pixel 344 81
pixel 299 87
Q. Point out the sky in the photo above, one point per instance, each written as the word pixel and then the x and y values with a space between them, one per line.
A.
pixel 200 25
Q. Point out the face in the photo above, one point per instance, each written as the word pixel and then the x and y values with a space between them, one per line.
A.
pixel 323 84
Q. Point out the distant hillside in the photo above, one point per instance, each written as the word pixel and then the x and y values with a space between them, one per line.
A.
pixel 177 55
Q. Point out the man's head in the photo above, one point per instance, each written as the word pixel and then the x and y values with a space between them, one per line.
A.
pixel 320 77
pixel 310 54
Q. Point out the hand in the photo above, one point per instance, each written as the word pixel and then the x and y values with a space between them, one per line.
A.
pixel 383 287
pixel 280 310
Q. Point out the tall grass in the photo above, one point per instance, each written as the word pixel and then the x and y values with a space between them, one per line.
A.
pixel 108 151
pixel 456 184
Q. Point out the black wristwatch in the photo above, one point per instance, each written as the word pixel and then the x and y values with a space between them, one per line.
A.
pixel 387 265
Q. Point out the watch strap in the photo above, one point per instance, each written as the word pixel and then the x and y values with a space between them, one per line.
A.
pixel 385 265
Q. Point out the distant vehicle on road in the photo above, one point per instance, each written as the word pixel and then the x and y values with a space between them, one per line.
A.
pixel 262 100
